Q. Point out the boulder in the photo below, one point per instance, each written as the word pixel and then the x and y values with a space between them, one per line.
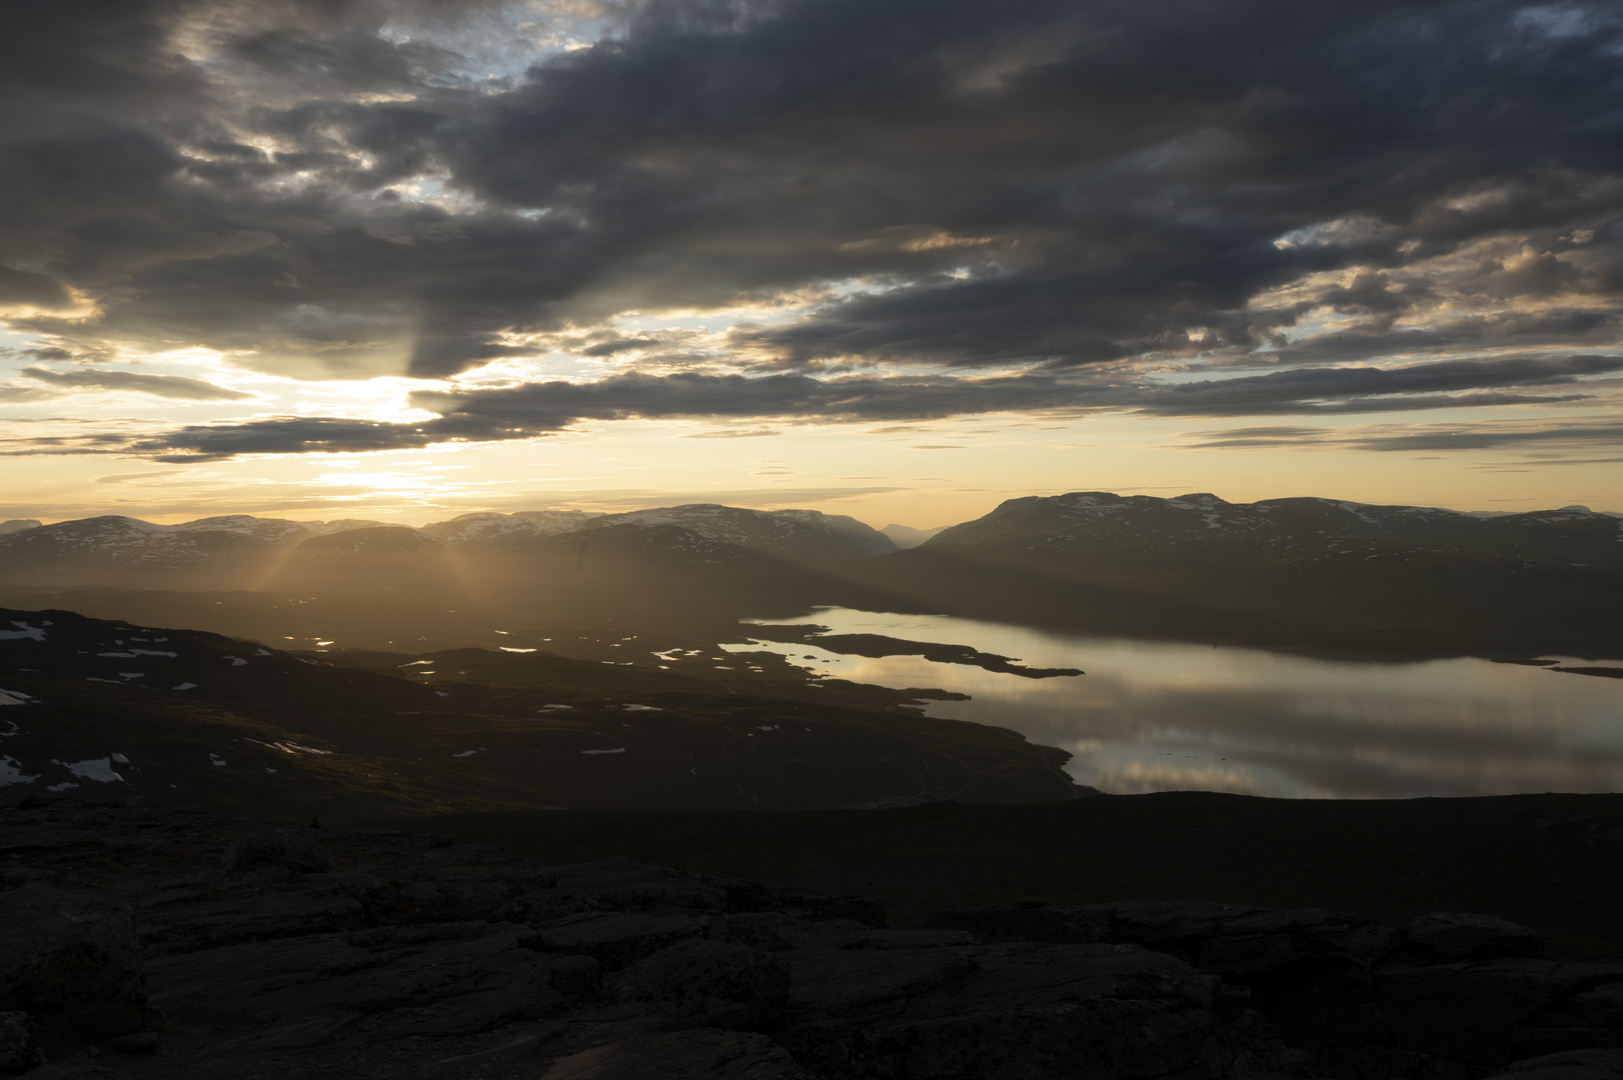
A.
pixel 1306 970
pixel 1024 921
pixel 1488 1014
pixel 683 1055
pixel 260 849
pixel 71 956
pixel 1001 1012
pixel 444 978
pixel 776 931
pixel 80 1068
pixel 614 939
pixel 1457 936
pixel 259 917
pixel 1569 1065
pixel 622 884
pixel 702 983
pixel 19 1044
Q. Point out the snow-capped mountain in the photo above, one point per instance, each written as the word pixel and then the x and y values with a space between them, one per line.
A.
pixel 228 551
pixel 552 521
pixel 278 531
pixel 1280 572
pixel 1139 528
pixel 807 536
pixel 327 528
pixel 116 550
pixel 488 528
pixel 240 551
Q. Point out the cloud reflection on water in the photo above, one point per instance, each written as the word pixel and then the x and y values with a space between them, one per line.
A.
pixel 1157 716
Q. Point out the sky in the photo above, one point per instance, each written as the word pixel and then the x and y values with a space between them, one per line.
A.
pixel 898 259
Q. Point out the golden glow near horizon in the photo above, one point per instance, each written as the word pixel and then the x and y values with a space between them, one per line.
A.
pixel 1190 294
pixel 923 475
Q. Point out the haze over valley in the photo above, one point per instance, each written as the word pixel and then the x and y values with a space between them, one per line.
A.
pixel 709 600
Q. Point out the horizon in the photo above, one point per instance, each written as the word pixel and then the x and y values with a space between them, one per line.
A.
pixel 422 521
pixel 384 258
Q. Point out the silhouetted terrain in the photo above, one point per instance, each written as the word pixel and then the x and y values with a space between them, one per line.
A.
pixel 1552 862
pixel 1285 573
pixel 1282 573
pixel 190 942
pixel 179 715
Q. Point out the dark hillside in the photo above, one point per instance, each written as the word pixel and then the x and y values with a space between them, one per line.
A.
pixel 1284 573
pixel 1552 862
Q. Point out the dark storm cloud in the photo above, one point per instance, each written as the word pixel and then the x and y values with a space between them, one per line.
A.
pixel 343 189
pixel 542 408
pixel 1373 389
pixel 535 409
pixel 287 435
pixel 24 289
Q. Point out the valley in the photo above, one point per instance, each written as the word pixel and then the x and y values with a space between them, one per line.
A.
pixel 557 659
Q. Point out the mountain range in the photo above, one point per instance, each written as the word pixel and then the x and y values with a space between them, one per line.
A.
pixel 1297 572
pixel 241 551
pixel 1286 573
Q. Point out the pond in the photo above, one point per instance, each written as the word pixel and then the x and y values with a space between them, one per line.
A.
pixel 1163 716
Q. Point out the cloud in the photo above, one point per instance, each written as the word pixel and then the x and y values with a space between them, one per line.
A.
pixel 286 435
pixel 1072 196
pixel 175 387
pixel 24 289
pixel 1592 433
pixel 1376 389
pixel 10 395
pixel 531 410
pixel 537 409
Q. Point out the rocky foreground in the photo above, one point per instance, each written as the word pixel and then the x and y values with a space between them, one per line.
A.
pixel 182 942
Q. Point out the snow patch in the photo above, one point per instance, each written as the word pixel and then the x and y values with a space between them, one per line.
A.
pixel 466 753
pixel 13 697
pixel 32 633
pixel 216 759
pixel 11 772
pixel 505 648
pixel 643 708
pixel 97 769
pixel 554 708
pixel 616 750
pixel 236 661
pixel 187 686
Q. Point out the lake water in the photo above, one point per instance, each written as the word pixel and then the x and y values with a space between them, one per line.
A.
pixel 1163 716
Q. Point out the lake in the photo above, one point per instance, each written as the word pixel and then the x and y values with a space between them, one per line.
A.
pixel 1163 716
